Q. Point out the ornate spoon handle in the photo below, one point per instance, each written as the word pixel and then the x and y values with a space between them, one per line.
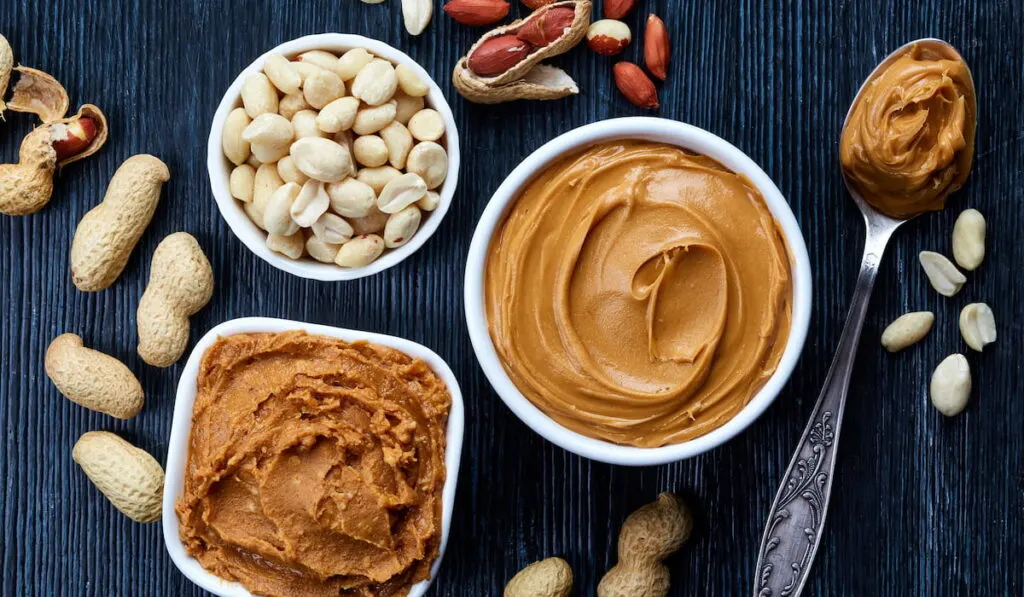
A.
pixel 797 517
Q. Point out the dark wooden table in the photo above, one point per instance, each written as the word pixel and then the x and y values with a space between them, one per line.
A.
pixel 923 505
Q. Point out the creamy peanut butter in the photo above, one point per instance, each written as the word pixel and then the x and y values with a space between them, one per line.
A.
pixel 315 466
pixel 909 139
pixel 639 294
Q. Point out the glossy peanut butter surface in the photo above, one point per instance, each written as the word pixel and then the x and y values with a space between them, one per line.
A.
pixel 639 294
pixel 909 140
pixel 315 466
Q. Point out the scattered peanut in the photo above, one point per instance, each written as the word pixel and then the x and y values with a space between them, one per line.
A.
pixel 969 239
pixel 978 325
pixel 6 66
pixel 92 379
pixel 128 476
pixel 951 385
pixel 107 234
pixel 648 536
pixel 547 578
pixel 180 284
pixel 241 182
pixel 360 251
pixel 907 329
pixel 942 274
pixel 416 15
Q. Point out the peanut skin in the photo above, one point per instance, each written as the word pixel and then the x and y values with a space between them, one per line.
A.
pixel 107 234
pixel 648 536
pixel 180 284
pixel 92 379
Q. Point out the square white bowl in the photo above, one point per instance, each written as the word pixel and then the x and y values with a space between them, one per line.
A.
pixel 181 427
pixel 253 237
pixel 670 132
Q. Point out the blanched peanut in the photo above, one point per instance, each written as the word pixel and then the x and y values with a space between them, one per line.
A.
pixel 323 59
pixel 429 202
pixel 280 72
pixel 344 138
pixel 304 123
pixel 352 198
pixel 311 203
pixel 360 251
pixel 332 229
pixel 277 217
pixel 235 147
pixel 252 161
pixel 352 62
pixel 426 125
pixel 241 182
pixel 370 150
pixel 372 223
pixel 269 136
pixel 378 177
pixel 398 141
pixel 401 226
pixel 370 120
pixel 376 82
pixel 942 274
pixel 322 159
pixel 401 192
pixel 430 161
pixel 292 104
pixel 951 385
pixel 978 325
pixel 322 88
pixel 288 172
pixel 290 246
pixel 406 106
pixel 969 239
pixel 907 329
pixel 259 95
pixel 323 252
pixel 410 82
pixel 304 69
pixel 338 115
pixel 266 182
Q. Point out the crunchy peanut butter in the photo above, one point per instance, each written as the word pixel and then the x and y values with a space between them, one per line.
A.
pixel 315 466
pixel 639 294
pixel 909 139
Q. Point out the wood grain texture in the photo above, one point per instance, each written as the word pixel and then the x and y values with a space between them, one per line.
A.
pixel 922 505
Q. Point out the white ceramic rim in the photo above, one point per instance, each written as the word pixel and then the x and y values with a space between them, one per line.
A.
pixel 220 167
pixel 652 129
pixel 181 427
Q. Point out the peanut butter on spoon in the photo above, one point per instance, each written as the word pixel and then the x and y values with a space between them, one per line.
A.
pixel 909 138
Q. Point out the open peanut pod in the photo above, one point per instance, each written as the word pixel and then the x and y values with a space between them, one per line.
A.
pixel 504 64
pixel 79 136
pixel 6 65
pixel 38 93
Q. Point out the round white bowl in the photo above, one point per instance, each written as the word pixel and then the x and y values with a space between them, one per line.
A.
pixel 650 129
pixel 251 235
pixel 181 427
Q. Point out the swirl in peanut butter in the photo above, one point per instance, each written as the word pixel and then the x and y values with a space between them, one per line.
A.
pixel 639 294
pixel 909 140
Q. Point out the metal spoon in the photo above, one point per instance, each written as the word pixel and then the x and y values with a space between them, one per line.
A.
pixel 797 518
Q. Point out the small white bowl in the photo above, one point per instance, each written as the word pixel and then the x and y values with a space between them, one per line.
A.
pixel 650 129
pixel 251 235
pixel 181 427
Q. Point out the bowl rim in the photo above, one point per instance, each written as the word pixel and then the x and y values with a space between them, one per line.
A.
pixel 181 427
pixel 671 132
pixel 219 167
